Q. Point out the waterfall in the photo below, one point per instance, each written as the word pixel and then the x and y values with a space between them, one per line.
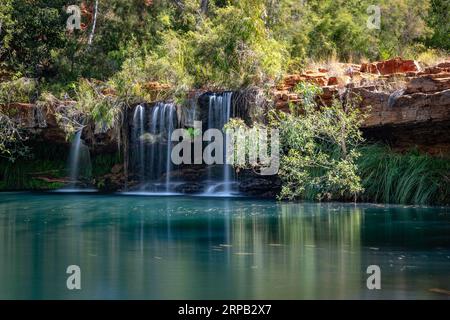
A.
pixel 79 161
pixel 189 113
pixel 219 113
pixel 394 97
pixel 138 133
pixel 152 146
pixel 151 167
pixel 170 129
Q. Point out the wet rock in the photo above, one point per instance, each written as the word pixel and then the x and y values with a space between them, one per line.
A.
pixel 252 184
pixel 116 169
pixel 113 181
pixel 190 188
pixel 189 173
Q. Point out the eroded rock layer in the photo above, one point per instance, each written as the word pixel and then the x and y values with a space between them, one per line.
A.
pixel 405 105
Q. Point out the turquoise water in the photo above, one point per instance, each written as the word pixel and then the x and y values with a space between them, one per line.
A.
pixel 131 247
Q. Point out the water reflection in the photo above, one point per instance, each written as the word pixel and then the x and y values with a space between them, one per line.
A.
pixel 178 247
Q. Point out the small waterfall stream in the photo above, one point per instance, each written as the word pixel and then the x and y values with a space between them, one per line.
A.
pixel 219 113
pixel 394 97
pixel 79 162
pixel 138 132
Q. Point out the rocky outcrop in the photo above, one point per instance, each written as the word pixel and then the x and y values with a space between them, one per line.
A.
pixel 393 66
pixel 39 120
pixel 431 83
pixel 405 109
pixel 395 95
pixel 417 115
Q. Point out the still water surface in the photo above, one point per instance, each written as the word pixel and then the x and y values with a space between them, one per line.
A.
pixel 131 247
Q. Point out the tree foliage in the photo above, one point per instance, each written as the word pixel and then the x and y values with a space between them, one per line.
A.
pixel 11 139
pixel 227 43
pixel 439 22
pixel 319 146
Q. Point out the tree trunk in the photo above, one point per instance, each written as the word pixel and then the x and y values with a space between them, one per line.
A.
pixel 91 36
pixel 204 6
pixel 179 4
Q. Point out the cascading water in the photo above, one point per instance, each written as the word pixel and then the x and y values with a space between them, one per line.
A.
pixel 189 113
pixel 152 146
pixel 138 133
pixel 394 97
pixel 170 129
pixel 79 161
pixel 219 113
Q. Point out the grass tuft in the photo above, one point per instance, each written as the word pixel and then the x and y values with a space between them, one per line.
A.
pixel 410 178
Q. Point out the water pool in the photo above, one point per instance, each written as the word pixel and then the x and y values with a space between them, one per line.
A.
pixel 131 247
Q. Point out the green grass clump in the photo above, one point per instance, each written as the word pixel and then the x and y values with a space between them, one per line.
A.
pixel 103 163
pixel 410 178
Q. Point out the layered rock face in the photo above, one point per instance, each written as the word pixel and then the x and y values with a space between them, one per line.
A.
pixel 388 67
pixel 405 106
pixel 43 126
pixel 40 121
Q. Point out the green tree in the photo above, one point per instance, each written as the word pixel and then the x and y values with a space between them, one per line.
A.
pixel 319 148
pixel 439 22
pixel 403 25
pixel 6 24
pixel 37 32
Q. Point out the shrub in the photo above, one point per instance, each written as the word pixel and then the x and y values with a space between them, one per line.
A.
pixel 11 139
pixel 20 90
pixel 319 144
pixel 318 148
